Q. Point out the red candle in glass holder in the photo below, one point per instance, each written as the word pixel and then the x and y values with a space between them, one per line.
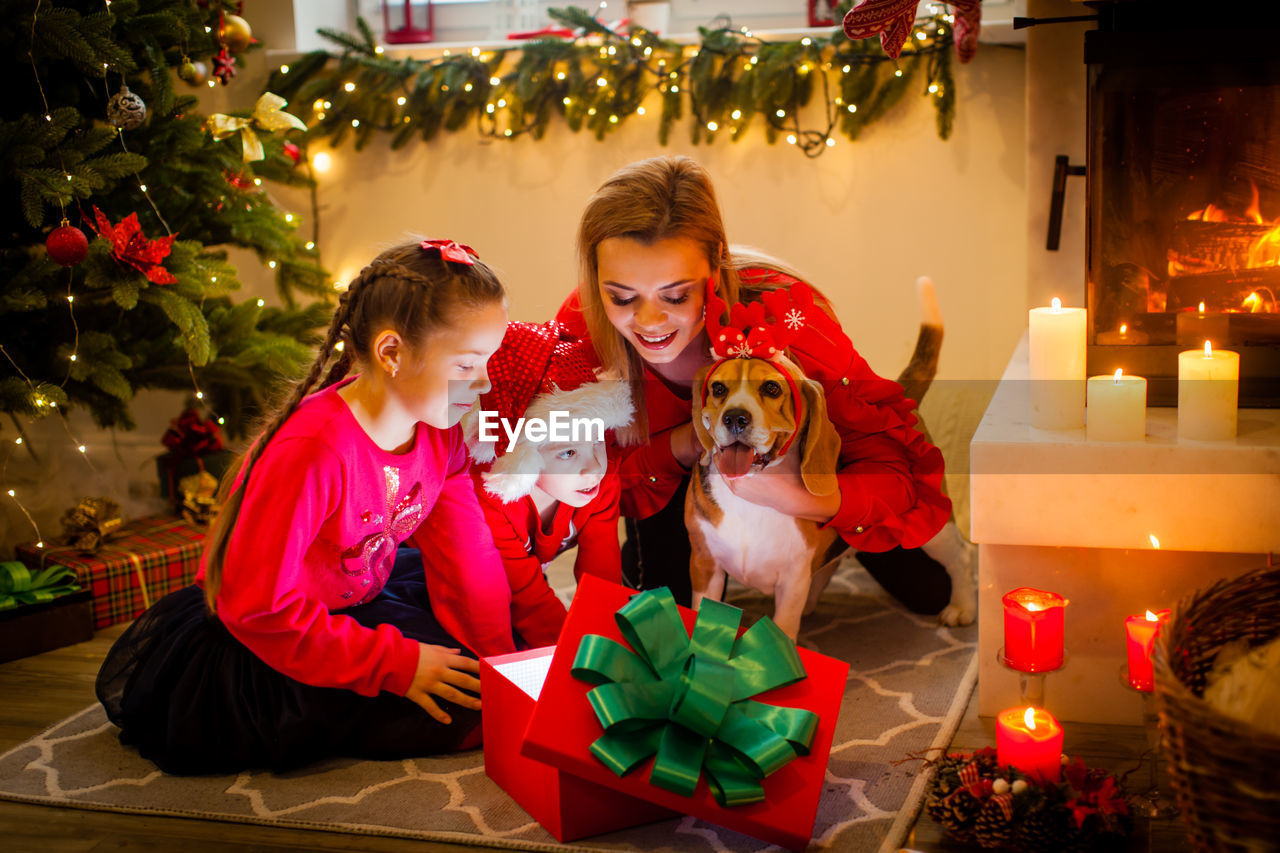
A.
pixel 1030 740
pixel 1033 627
pixel 1141 632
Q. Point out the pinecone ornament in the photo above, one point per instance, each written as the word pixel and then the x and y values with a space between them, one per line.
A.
pixel 991 828
pixel 1041 830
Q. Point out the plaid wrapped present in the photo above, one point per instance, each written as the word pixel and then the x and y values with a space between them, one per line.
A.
pixel 150 558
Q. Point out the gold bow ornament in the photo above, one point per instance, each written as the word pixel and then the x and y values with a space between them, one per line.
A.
pixel 268 115
pixel 92 521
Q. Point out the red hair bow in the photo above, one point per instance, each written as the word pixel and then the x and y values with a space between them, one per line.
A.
pixel 459 253
pixel 749 334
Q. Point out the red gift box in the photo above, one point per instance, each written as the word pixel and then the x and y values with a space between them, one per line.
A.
pixel 567 806
pixel 564 726
pixel 146 560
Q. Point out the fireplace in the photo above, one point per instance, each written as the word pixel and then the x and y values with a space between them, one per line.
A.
pixel 1183 234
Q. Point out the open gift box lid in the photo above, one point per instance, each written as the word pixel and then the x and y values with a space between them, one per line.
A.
pixel 564 726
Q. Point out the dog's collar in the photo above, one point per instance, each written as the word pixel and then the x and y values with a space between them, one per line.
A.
pixel 797 402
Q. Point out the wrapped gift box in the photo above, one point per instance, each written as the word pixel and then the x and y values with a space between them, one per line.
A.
pixel 172 468
pixel 563 726
pixel 35 628
pixel 149 558
pixel 567 806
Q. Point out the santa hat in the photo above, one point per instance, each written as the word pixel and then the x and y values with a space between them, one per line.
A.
pixel 538 370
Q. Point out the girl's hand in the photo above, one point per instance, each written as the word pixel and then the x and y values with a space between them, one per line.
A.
pixel 780 487
pixel 443 671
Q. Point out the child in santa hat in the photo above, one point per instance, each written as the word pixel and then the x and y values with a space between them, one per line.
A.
pixel 543 495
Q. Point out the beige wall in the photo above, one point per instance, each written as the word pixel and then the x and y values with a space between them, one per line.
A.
pixel 863 221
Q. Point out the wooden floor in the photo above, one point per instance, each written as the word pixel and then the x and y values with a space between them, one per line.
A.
pixel 39 691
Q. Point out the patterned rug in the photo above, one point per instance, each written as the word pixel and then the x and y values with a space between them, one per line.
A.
pixel 908 687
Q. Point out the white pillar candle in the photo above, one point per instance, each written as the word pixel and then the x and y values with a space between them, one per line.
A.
pixel 1208 393
pixel 1057 341
pixel 1117 408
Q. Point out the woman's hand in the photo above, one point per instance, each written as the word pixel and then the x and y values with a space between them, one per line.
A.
pixel 780 487
pixel 685 445
pixel 443 672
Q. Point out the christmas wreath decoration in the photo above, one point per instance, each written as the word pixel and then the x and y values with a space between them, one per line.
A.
pixel 976 800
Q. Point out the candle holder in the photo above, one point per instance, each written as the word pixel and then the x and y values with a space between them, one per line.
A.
pixel 1030 684
pixel 1153 803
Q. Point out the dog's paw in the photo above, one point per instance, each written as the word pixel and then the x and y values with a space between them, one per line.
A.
pixel 957 614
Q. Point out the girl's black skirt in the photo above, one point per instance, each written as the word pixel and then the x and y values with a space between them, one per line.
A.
pixel 193 699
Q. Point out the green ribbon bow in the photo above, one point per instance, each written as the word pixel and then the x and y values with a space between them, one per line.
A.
pixel 18 586
pixel 687 698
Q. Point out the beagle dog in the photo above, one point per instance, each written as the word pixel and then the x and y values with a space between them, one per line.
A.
pixel 748 426
pixel 760 414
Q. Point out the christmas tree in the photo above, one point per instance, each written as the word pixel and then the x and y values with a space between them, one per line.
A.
pixel 119 203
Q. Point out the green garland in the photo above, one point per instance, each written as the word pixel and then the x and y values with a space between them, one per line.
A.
pixel 602 79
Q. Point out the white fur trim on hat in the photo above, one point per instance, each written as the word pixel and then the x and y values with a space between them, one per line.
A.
pixel 516 472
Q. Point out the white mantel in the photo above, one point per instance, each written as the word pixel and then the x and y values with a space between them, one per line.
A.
pixel 1056 511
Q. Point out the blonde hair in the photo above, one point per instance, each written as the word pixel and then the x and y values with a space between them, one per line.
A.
pixel 412 291
pixel 649 201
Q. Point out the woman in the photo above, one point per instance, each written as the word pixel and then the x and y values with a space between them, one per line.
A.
pixel 649 240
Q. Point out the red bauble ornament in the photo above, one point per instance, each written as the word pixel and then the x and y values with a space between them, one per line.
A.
pixel 294 152
pixel 67 245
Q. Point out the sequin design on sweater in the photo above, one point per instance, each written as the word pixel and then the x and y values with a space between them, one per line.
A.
pixel 377 550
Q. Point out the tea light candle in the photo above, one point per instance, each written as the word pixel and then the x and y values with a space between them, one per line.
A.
pixel 1117 408
pixel 1057 360
pixel 1208 393
pixel 1199 325
pixel 1033 628
pixel 1030 740
pixel 1140 633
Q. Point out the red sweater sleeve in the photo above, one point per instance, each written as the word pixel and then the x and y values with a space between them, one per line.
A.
pixel 465 578
pixel 296 485
pixel 535 611
pixel 599 553
pixel 890 476
pixel 649 474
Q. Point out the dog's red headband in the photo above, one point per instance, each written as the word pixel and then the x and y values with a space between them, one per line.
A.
pixel 749 334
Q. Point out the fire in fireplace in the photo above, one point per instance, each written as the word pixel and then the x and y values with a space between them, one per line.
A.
pixel 1183 235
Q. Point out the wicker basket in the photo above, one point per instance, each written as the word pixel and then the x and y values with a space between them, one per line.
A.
pixel 1225 772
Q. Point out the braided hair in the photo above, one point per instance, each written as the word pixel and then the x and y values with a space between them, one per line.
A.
pixel 406 288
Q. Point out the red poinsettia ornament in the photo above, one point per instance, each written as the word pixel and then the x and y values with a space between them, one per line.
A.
pixel 224 66
pixel 130 246
pixel 893 20
pixel 293 151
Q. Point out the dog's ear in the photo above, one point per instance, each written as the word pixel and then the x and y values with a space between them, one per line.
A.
pixel 821 448
pixel 704 437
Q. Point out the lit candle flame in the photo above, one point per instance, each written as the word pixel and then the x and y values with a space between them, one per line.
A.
pixel 1124 327
pixel 1119 371
pixel 1033 606
pixel 1056 303
pixel 1151 617
pixel 1155 543
pixel 1208 350
pixel 1201 307
pixel 1030 719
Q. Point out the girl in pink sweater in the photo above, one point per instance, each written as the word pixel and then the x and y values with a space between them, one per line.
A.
pixel 304 636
